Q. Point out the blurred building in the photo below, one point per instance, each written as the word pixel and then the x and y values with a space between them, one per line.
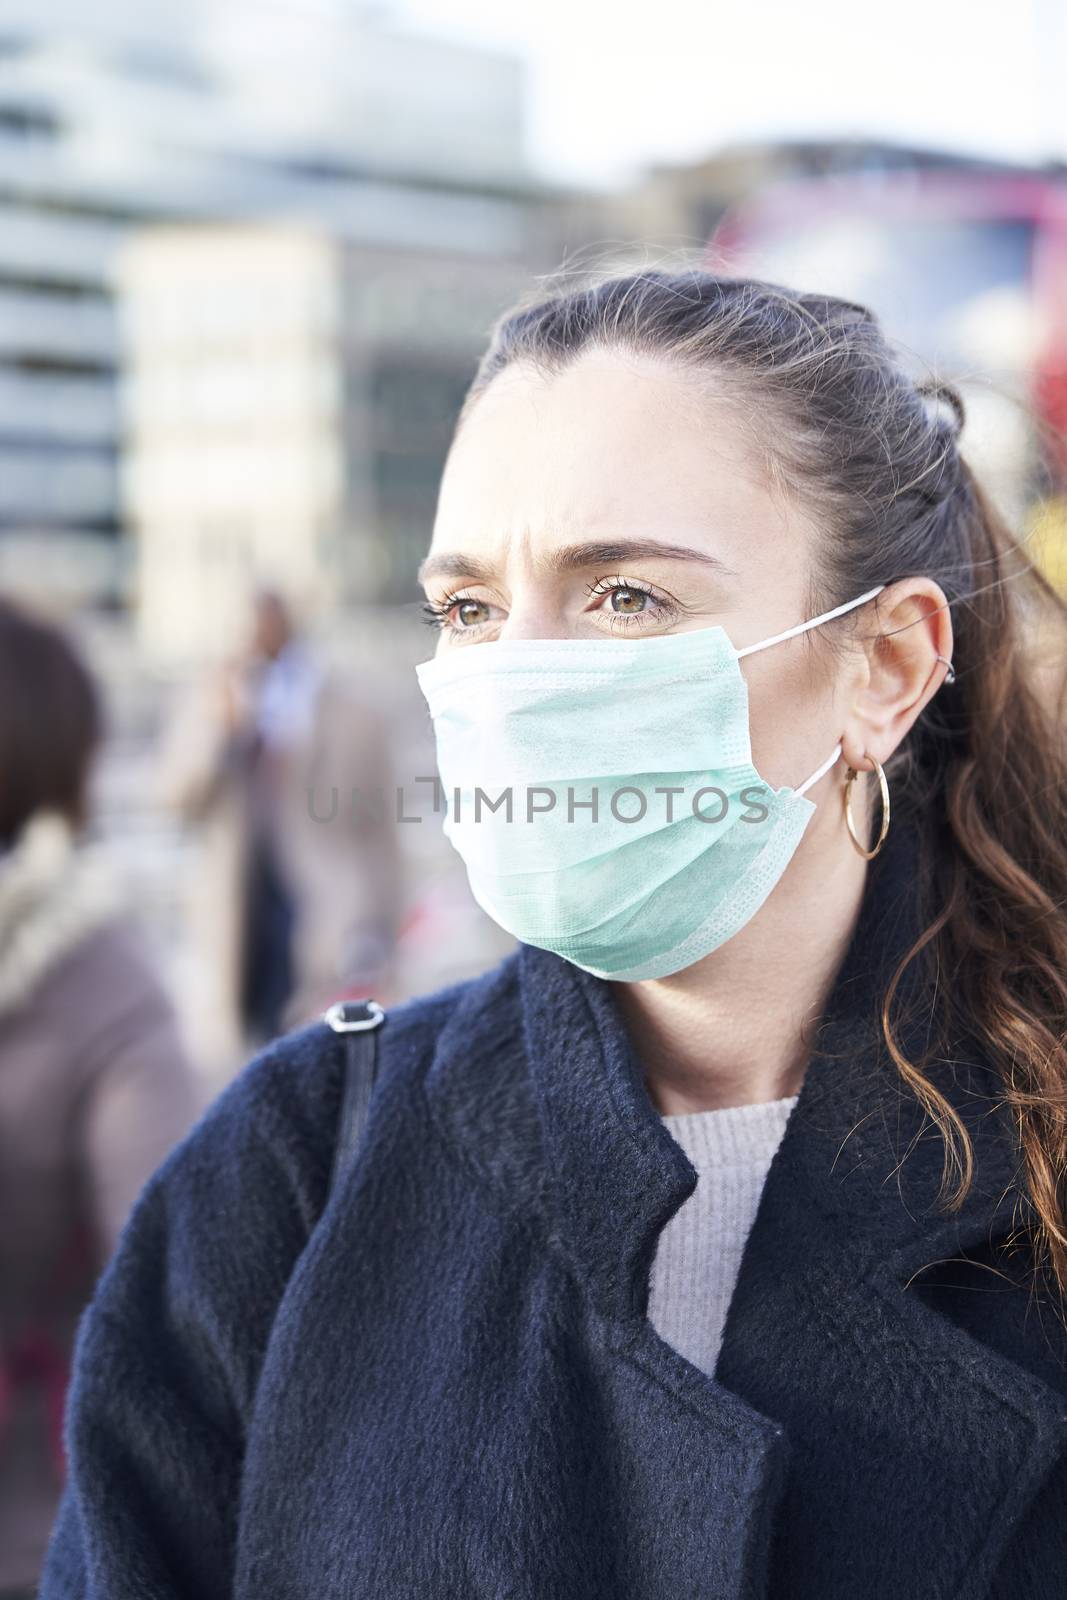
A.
pixel 115 116
pixel 682 205
pixel 288 402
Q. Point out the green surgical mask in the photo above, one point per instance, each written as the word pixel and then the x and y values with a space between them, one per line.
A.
pixel 602 794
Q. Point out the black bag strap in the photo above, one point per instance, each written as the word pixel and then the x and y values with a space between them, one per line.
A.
pixel 357 1021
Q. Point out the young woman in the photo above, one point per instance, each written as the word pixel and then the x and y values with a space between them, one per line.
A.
pixel 713 1244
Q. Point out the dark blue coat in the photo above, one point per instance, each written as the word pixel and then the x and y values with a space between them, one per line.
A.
pixel 449 1387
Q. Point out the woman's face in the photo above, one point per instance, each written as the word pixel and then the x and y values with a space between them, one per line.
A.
pixel 617 500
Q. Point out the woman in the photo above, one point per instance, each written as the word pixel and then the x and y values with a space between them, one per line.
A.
pixel 519 1356
pixel 94 1086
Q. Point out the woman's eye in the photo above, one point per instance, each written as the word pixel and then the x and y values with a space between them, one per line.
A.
pixel 623 603
pixel 627 601
pixel 457 613
pixel 468 613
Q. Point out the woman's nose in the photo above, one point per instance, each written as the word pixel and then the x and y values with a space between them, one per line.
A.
pixel 533 616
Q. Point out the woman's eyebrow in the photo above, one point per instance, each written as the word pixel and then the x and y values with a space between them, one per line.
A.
pixel 593 553
pixel 454 564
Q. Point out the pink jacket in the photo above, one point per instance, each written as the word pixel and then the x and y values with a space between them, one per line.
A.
pixel 94 1091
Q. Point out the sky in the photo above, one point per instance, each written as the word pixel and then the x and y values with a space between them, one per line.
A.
pixel 615 87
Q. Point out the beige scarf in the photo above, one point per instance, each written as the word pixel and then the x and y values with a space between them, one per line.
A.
pixel 53 892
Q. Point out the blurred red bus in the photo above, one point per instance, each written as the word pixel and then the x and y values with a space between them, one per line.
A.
pixel 967 270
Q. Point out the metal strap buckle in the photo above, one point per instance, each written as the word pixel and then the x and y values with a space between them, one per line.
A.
pixel 354 1016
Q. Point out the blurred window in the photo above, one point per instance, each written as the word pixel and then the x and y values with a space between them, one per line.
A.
pixel 409 407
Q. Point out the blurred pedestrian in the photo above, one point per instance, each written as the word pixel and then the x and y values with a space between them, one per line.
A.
pixel 283 768
pixel 94 1086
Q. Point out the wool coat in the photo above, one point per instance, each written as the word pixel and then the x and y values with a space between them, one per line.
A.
pixel 443 1382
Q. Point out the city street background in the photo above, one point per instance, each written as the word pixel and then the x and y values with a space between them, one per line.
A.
pixel 249 255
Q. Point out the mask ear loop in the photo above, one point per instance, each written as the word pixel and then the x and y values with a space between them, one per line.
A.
pixel 821 772
pixel 802 627
pixel 791 633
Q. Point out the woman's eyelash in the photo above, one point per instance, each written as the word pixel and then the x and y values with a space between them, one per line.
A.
pixel 436 612
pixel 660 606
pixel 608 585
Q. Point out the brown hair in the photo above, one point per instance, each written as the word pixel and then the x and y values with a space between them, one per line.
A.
pixel 983 771
pixel 50 722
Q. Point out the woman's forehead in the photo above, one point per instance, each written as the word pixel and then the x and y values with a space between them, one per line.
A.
pixel 615 446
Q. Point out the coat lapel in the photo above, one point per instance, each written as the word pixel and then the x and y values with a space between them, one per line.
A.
pixel 853 1439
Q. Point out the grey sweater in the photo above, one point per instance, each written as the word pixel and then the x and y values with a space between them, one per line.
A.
pixel 698 1254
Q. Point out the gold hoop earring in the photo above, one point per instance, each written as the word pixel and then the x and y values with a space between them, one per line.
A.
pixel 850 777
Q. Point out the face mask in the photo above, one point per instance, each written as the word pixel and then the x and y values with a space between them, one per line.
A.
pixel 575 842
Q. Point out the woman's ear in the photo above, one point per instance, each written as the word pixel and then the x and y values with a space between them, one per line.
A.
pixel 910 628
